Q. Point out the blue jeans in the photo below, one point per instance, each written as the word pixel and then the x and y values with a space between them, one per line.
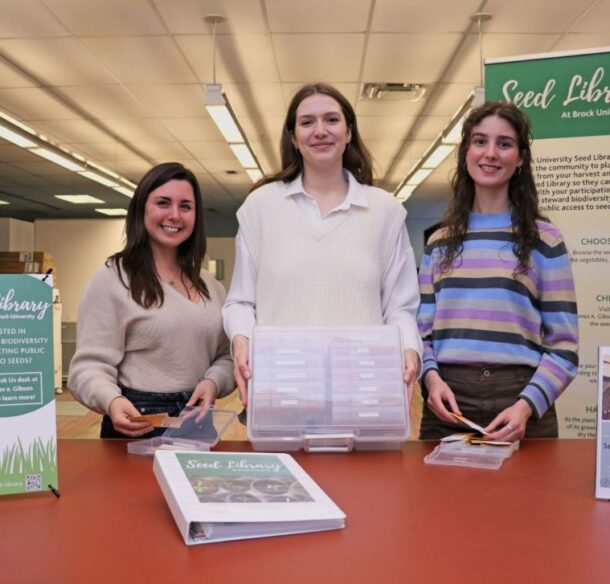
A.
pixel 148 403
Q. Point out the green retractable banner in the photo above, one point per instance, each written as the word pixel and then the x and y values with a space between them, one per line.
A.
pixel 28 436
pixel 567 98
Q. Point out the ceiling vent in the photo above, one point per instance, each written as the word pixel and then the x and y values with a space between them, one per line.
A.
pixel 393 91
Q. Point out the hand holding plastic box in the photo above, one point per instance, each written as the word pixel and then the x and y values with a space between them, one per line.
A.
pixel 327 389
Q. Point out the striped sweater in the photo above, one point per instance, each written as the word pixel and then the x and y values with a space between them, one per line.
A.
pixel 480 314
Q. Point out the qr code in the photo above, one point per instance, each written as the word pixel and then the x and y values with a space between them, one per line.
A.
pixel 33 482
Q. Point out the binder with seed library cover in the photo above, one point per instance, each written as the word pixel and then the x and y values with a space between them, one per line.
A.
pixel 223 496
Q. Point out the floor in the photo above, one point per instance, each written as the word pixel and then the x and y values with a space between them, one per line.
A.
pixel 76 421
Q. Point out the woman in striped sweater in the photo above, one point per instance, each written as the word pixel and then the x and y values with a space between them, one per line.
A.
pixel 498 312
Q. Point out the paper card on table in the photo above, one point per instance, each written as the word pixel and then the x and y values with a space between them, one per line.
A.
pixel 162 420
pixel 459 436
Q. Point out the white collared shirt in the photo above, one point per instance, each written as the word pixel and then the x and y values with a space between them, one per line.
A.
pixel 399 287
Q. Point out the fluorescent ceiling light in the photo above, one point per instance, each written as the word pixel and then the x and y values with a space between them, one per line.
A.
pixel 243 154
pixel 454 135
pixel 113 212
pixel 99 178
pixel 219 110
pixel 222 118
pixel 79 199
pixel 254 173
pixel 103 169
pixel 124 191
pixel 437 156
pixel 405 192
pixel 419 176
pixel 130 184
pixel 4 203
pixel 15 138
pixel 57 159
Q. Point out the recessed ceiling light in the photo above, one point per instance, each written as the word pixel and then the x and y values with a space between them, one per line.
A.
pixel 79 199
pixel 113 212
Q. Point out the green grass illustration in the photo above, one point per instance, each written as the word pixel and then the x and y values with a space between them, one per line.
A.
pixel 17 462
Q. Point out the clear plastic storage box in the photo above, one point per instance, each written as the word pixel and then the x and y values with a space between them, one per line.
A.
pixel 461 453
pixel 327 389
pixel 195 428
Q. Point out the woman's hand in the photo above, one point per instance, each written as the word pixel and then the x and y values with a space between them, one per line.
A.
pixel 119 411
pixel 204 394
pixel 241 369
pixel 440 396
pixel 510 423
pixel 411 370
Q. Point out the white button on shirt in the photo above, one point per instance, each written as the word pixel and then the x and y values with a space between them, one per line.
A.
pixel 399 287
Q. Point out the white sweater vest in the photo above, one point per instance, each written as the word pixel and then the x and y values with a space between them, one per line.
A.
pixel 307 279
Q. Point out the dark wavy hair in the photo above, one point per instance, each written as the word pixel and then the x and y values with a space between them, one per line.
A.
pixel 136 257
pixel 522 192
pixel 356 158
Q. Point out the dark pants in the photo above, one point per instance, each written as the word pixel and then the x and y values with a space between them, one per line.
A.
pixel 148 403
pixel 482 392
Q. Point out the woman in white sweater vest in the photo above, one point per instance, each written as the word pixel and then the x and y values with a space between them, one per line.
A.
pixel 149 330
pixel 317 244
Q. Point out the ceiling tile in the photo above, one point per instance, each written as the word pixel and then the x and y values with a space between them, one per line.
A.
pixel 317 57
pixel 539 16
pixel 423 16
pixel 468 69
pixel 27 18
pixel 318 16
pixel 181 100
pixel 60 61
pixel 141 60
pixel 416 58
pixel 186 16
pixel 32 103
pixel 246 58
pixel 108 18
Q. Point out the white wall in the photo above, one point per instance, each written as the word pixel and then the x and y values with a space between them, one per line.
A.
pixel 80 246
pixel 16 235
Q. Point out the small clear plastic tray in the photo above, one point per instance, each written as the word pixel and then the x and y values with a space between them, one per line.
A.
pixel 195 428
pixel 475 456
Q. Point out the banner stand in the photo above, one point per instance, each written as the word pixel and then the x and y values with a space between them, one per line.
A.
pixel 28 435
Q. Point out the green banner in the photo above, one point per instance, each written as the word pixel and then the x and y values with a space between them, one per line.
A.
pixel 564 96
pixel 28 439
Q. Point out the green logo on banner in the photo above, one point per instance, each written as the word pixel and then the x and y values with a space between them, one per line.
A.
pixel 564 96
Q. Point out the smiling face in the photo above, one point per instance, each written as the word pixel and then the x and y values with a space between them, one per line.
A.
pixel 169 214
pixel 321 133
pixel 493 156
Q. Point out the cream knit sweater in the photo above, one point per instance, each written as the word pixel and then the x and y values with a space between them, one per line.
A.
pixel 164 349
pixel 308 279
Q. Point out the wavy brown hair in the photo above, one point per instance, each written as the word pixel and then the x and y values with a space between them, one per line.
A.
pixel 356 158
pixel 136 258
pixel 522 192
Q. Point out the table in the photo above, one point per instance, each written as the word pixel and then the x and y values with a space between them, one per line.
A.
pixel 534 520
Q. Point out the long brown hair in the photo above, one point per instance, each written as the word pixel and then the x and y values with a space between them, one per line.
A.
pixel 356 158
pixel 136 257
pixel 522 192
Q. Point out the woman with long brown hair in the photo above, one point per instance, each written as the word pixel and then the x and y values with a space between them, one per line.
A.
pixel 317 243
pixel 498 311
pixel 149 329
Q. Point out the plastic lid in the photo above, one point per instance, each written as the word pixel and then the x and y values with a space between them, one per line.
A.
pixel 196 428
